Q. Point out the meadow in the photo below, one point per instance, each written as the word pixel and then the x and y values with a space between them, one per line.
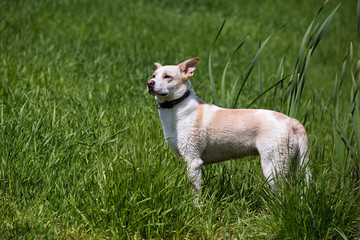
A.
pixel 82 153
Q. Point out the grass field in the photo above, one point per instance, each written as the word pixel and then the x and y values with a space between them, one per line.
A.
pixel 82 153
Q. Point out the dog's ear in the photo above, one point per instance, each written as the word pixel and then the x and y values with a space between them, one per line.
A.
pixel 187 68
pixel 157 65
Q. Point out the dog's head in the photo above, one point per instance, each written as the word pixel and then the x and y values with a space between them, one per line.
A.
pixel 171 81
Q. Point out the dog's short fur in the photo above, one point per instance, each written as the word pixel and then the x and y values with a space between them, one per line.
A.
pixel 203 133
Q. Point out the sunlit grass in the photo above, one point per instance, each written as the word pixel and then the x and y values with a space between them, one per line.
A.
pixel 82 153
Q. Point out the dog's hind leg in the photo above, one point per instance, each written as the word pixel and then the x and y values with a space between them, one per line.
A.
pixel 303 147
pixel 275 162
pixel 269 170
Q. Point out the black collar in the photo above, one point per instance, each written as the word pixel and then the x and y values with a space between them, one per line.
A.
pixel 172 103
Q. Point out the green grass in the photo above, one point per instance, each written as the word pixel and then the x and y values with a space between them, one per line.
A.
pixel 82 153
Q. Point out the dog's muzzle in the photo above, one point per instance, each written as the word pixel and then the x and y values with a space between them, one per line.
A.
pixel 150 87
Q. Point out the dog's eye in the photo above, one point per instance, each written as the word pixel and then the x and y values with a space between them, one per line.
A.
pixel 153 76
pixel 167 76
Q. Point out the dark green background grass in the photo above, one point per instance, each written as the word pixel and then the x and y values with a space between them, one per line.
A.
pixel 82 153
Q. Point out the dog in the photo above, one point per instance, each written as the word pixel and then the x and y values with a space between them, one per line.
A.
pixel 203 134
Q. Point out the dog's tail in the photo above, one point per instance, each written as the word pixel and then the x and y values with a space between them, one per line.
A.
pixel 303 155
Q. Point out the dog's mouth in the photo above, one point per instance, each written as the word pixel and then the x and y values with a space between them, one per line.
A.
pixel 153 92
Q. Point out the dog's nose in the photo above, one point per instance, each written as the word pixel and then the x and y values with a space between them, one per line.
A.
pixel 150 83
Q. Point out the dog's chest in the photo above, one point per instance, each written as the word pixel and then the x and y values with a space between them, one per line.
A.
pixel 169 124
pixel 177 127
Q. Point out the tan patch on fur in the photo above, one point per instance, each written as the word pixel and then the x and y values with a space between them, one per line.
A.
pixel 231 133
pixel 198 124
pixel 230 119
pixel 299 130
pixel 279 116
pixel 200 115
pixel 231 122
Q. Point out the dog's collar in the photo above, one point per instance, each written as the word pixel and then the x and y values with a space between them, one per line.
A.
pixel 172 103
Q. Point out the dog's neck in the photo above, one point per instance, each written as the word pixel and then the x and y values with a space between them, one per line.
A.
pixel 172 103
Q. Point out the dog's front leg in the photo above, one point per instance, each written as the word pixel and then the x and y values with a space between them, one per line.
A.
pixel 194 174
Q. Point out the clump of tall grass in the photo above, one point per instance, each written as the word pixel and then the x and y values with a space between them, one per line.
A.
pixel 346 127
pixel 331 208
pixel 328 207
pixel 294 89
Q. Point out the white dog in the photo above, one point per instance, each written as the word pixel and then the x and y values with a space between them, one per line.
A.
pixel 203 133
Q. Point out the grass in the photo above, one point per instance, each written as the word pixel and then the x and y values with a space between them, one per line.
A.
pixel 82 153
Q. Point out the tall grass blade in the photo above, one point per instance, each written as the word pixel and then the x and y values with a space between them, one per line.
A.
pixel 212 81
pixel 250 69
pixel 259 77
pixel 279 74
pixel 223 95
pixel 341 233
pixel 297 69
pixel 301 85
pixel 322 7
pixel 216 101
pixel 356 127
pixel 335 89
pixel 267 90
pixel 323 28
pixel 233 93
pixel 343 69
pixel 358 22
pixel 260 84
pixel 303 44
pixel 342 134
